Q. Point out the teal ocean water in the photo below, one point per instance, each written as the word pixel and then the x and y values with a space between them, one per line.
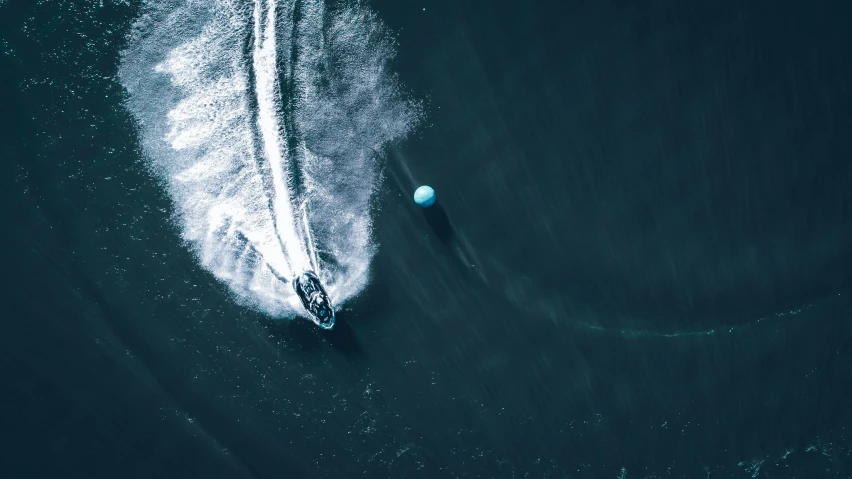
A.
pixel 638 265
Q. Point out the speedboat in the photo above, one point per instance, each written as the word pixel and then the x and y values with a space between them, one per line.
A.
pixel 314 299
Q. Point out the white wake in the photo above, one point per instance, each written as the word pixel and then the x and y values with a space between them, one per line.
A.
pixel 264 120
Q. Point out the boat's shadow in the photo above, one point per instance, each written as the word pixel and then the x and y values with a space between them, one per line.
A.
pixel 301 336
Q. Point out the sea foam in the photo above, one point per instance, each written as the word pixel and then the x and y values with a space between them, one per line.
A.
pixel 264 121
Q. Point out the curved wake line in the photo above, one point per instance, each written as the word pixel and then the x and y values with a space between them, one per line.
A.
pixel 520 298
pixel 264 121
pixel 524 294
pixel 647 333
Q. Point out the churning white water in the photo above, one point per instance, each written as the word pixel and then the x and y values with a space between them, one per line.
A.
pixel 264 120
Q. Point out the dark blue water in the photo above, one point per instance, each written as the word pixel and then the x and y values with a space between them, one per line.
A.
pixel 639 266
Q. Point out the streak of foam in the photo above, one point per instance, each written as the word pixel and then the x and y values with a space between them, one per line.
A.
pixel 265 69
pixel 264 120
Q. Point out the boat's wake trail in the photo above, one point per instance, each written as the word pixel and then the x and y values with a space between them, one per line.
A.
pixel 263 119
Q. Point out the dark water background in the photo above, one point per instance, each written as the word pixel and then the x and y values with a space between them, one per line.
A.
pixel 640 267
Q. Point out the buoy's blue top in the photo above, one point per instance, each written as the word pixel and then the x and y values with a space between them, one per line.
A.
pixel 424 196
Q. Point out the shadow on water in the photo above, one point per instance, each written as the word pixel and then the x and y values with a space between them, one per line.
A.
pixel 343 338
pixel 460 253
pixel 436 216
pixel 305 337
pixel 438 220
